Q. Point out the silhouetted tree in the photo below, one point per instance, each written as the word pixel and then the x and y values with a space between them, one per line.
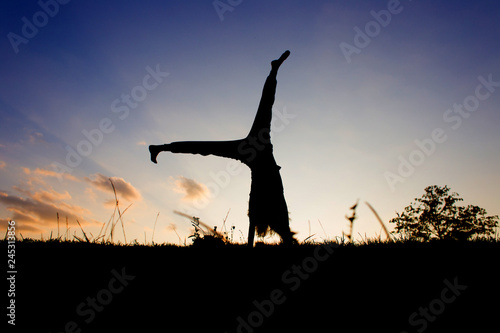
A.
pixel 436 216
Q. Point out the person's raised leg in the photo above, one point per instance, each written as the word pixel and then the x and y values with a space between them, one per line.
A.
pixel 261 126
pixel 275 64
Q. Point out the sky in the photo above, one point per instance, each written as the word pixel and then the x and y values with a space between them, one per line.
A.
pixel 378 100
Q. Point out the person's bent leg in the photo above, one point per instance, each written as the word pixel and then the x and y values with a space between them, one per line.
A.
pixel 229 149
pixel 154 150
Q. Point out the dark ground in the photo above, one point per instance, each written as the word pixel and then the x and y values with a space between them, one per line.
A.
pixel 370 288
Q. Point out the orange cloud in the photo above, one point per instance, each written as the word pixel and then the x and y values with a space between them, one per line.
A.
pixel 124 189
pixel 35 204
pixel 39 210
pixel 190 188
pixel 2 165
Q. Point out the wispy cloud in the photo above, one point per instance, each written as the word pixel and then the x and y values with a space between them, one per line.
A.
pixel 141 143
pixel 36 137
pixel 190 188
pixel 50 173
pixel 89 193
pixel 124 189
pixel 2 165
pixel 51 196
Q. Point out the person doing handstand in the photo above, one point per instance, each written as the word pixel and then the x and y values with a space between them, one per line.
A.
pixel 267 209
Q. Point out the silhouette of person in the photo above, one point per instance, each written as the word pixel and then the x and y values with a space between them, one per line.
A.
pixel 267 209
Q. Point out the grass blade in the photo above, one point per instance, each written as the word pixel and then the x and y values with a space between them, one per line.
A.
pixel 379 219
pixel 84 234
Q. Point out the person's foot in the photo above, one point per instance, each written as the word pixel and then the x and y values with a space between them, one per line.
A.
pixel 154 151
pixel 287 238
pixel 275 64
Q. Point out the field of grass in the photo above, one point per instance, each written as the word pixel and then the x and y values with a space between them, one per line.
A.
pixel 374 287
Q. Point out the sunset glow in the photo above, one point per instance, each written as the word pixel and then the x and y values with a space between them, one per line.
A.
pixel 377 101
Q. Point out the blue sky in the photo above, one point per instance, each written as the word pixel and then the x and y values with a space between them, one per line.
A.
pixel 345 127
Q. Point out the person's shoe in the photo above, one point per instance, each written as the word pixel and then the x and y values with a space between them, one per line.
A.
pixel 154 151
pixel 275 64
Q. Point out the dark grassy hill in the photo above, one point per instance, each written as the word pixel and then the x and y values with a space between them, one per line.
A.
pixel 80 287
